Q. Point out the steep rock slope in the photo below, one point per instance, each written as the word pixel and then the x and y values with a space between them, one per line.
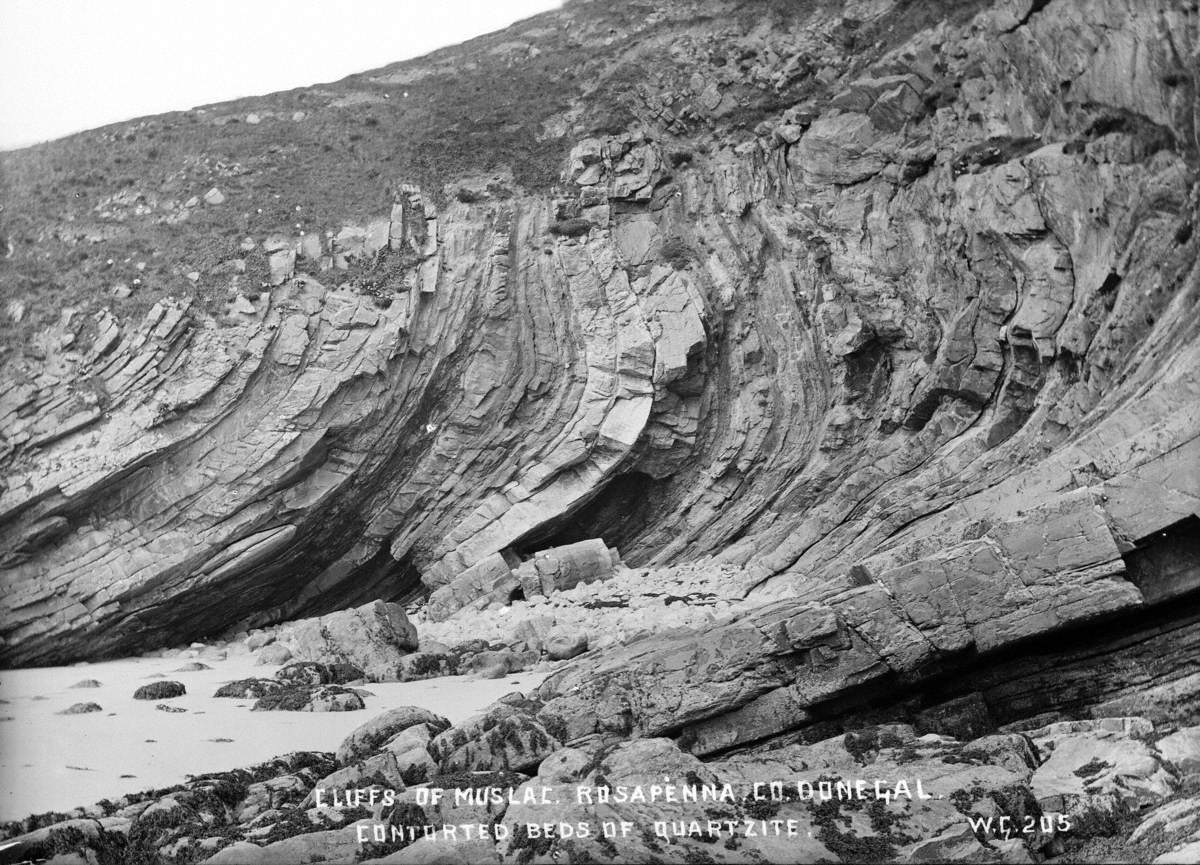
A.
pixel 893 306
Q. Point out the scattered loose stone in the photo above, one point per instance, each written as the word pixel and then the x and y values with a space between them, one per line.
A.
pixel 81 709
pixel 273 654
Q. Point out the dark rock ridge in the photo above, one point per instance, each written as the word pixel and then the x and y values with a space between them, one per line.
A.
pixel 898 313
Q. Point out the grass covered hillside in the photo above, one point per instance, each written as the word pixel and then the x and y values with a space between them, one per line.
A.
pixel 118 217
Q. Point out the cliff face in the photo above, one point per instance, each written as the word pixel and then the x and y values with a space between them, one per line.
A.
pixel 895 310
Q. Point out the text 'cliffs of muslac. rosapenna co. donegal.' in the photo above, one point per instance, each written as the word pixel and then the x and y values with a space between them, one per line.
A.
pixel 886 310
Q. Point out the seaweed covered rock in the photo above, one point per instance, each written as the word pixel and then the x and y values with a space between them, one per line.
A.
pixel 317 673
pixel 369 738
pixel 81 709
pixel 506 737
pixel 373 638
pixel 160 691
pixel 249 689
pixel 379 770
pixel 105 837
pixel 306 698
pixel 426 665
pixel 186 822
pixel 411 749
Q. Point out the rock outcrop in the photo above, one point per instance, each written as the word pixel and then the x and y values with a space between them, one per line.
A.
pixel 373 639
pixel 1014 797
pixel 815 385
pixel 918 346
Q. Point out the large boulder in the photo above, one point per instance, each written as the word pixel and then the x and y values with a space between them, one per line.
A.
pixel 505 737
pixel 484 578
pixel 373 735
pixel 373 637
pixel 500 578
pixel 498 664
pixel 562 645
pixel 274 653
pixel 411 750
pixel 559 568
pixel 380 770
pixel 316 673
pixel 426 665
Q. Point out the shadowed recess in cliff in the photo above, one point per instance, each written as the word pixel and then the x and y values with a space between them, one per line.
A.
pixel 619 513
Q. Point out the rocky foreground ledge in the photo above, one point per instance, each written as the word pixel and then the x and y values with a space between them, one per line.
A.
pixel 408 788
pixel 682 769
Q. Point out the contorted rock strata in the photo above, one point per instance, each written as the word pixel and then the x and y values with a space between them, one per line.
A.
pixel 895 312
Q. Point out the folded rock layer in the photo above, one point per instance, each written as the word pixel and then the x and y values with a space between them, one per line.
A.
pixel 896 311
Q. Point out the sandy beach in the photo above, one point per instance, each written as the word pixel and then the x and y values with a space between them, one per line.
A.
pixel 50 761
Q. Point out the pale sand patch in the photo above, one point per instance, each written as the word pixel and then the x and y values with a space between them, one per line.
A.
pixel 37 746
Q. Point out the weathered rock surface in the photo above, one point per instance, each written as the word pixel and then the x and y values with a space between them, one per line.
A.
pixel 505 738
pixel 373 638
pixel 275 653
pixel 82 709
pixel 249 689
pixel 1181 750
pixel 564 645
pixel 159 691
pixel 882 793
pixel 940 303
pixel 426 665
pixel 494 581
pixel 376 733
pixel 878 319
pixel 308 698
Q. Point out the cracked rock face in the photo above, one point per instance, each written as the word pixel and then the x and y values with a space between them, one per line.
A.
pixel 917 348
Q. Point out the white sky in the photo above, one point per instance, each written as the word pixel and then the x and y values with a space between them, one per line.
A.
pixel 67 65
